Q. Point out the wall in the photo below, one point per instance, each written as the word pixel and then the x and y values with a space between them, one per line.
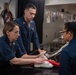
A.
pixel 51 30
pixel 56 2
pixel 12 6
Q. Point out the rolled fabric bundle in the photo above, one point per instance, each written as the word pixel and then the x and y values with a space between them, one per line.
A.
pixel 56 64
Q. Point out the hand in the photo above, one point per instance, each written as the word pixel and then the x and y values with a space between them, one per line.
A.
pixel 38 55
pixel 39 60
pixel 41 51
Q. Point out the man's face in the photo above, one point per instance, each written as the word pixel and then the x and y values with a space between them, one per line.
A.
pixel 14 34
pixel 30 14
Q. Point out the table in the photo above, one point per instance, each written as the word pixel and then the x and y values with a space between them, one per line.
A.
pixel 29 71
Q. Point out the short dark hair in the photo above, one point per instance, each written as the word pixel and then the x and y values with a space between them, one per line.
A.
pixel 9 26
pixel 71 26
pixel 30 5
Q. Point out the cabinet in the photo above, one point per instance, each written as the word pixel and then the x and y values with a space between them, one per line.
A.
pixel 61 13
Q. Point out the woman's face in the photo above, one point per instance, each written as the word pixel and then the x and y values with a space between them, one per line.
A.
pixel 65 34
pixel 14 34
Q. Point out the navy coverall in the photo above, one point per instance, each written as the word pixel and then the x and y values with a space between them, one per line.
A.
pixel 8 52
pixel 27 35
pixel 68 59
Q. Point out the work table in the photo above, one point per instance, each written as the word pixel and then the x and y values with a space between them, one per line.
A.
pixel 30 71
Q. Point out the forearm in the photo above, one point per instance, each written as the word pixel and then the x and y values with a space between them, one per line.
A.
pixel 29 56
pixel 21 61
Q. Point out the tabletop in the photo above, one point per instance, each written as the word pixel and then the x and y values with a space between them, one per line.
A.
pixel 29 71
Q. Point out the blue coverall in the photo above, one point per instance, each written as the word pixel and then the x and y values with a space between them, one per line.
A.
pixel 27 35
pixel 68 59
pixel 7 51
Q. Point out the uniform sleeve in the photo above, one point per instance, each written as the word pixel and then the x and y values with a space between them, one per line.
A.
pixel 35 38
pixel 64 68
pixel 6 51
pixel 19 52
pixel 21 44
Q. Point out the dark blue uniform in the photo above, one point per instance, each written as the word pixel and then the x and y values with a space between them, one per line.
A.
pixel 68 59
pixel 8 51
pixel 27 35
